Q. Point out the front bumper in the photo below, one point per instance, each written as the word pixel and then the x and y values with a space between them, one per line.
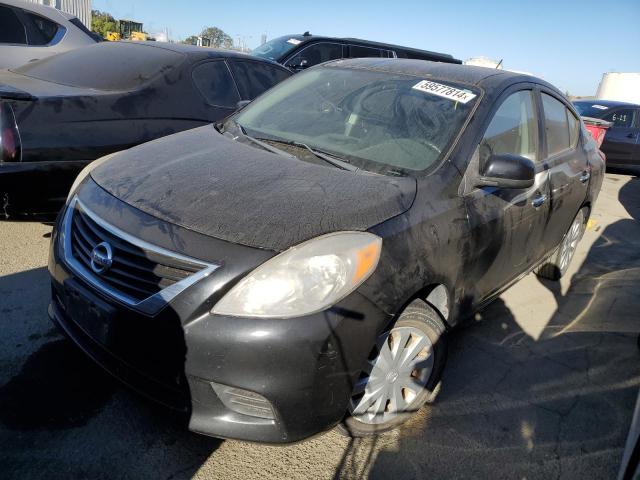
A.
pixel 304 367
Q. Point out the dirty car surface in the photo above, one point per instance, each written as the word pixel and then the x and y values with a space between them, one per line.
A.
pixel 70 109
pixel 301 264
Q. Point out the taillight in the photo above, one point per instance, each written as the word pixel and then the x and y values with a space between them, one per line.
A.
pixel 10 144
pixel 597 128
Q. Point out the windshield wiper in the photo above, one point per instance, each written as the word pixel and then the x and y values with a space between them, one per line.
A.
pixel 333 160
pixel 262 144
pixel 327 157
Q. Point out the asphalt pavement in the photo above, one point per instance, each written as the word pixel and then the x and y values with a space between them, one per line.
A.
pixel 541 385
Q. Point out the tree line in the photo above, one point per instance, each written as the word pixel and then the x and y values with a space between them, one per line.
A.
pixel 103 22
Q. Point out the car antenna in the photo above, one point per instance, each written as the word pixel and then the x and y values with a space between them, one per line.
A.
pixel 499 63
pixel 306 34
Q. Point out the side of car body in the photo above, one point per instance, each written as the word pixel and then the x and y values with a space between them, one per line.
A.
pixel 304 51
pixel 105 108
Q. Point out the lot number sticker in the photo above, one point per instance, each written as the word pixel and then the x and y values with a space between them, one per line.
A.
pixel 445 91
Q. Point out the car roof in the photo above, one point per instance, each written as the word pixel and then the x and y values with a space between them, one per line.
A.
pixel 204 52
pixel 606 103
pixel 370 43
pixel 487 78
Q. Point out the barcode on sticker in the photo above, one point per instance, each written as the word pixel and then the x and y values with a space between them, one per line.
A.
pixel 445 91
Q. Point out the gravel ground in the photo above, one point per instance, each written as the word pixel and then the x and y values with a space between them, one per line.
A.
pixel 541 385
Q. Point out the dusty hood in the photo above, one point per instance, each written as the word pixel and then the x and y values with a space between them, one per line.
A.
pixel 203 181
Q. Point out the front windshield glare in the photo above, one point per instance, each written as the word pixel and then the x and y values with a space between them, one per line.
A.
pixel 274 49
pixel 378 121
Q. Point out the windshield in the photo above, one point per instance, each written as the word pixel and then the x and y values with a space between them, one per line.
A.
pixel 104 66
pixel 378 121
pixel 278 47
pixel 590 109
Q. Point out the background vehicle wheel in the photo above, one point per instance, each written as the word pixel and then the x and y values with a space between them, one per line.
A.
pixel 402 374
pixel 558 263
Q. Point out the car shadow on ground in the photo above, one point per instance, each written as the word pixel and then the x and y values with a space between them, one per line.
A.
pixel 511 406
pixel 62 416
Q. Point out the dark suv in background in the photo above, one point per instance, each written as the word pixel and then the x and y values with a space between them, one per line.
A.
pixel 298 52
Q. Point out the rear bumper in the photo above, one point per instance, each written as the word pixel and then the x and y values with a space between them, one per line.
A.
pixel 304 367
pixel 37 187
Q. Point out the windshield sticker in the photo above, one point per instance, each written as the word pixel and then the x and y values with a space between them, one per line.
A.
pixel 445 91
pixel 294 41
pixel 599 107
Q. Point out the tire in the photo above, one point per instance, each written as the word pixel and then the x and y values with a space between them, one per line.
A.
pixel 403 386
pixel 558 263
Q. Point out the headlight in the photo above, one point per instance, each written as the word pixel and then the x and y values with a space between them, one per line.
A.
pixel 86 171
pixel 305 279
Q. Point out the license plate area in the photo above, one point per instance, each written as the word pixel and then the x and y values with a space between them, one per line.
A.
pixel 92 314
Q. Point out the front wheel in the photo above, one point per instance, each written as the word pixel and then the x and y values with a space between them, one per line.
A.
pixel 558 263
pixel 402 373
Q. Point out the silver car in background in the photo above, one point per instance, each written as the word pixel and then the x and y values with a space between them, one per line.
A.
pixel 29 31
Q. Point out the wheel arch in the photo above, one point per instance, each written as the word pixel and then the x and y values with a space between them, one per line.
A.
pixel 437 296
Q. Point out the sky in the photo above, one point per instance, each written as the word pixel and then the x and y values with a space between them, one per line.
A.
pixel 569 43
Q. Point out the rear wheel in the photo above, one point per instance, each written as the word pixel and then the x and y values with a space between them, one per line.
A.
pixel 402 373
pixel 558 264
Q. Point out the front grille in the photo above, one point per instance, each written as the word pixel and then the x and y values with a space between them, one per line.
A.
pixel 136 273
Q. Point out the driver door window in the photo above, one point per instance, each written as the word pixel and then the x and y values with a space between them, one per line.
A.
pixel 513 129
pixel 315 54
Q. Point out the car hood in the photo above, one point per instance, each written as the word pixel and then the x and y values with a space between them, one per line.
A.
pixel 206 182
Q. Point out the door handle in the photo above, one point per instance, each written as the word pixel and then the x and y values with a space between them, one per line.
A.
pixel 538 201
pixel 631 135
pixel 585 177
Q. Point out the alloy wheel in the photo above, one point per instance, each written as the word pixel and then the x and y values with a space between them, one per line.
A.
pixel 570 242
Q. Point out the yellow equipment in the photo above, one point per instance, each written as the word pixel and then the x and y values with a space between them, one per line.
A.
pixel 113 37
pixel 138 36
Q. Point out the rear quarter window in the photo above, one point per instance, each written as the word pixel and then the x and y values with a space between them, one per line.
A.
pixel 620 118
pixel 42 30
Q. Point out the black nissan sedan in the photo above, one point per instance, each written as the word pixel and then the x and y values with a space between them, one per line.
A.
pixel 301 264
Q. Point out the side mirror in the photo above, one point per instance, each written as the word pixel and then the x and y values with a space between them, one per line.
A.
pixel 507 171
pixel 241 104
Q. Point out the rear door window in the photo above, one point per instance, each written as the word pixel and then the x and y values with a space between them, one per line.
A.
pixel 253 78
pixel 215 83
pixel 356 51
pixel 11 28
pixel 513 129
pixel 557 125
pixel 620 118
